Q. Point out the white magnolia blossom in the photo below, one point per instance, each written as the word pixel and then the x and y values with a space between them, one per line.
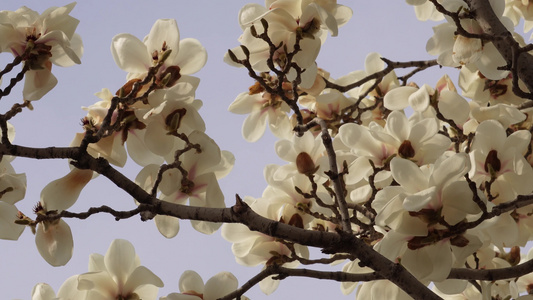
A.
pixel 498 158
pixel 117 275
pixel 199 187
pixel 455 50
pixel 41 40
pixel 290 23
pixel 192 287
pixel 14 189
pixel 134 56
pixel 261 107
pixel 252 248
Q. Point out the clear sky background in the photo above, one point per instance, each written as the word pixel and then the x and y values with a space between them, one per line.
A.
pixel 385 26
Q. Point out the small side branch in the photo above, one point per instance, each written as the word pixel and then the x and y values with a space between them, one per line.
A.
pixel 333 173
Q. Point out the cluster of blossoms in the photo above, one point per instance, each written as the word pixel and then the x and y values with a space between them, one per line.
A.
pixel 153 121
pixel 154 116
pixel 431 177
pixel 419 165
pixel 40 40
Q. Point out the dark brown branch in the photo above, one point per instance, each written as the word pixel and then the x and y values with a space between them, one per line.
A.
pixel 391 65
pixel 492 274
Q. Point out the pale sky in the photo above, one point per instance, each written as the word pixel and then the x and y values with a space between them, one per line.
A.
pixel 388 27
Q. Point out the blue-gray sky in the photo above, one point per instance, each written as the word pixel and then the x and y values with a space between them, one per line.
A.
pixel 384 26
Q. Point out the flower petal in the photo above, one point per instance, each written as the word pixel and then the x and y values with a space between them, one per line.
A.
pixel 192 56
pixel 54 242
pixel 130 54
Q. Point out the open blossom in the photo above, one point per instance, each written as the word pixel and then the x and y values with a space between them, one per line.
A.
pixel 484 90
pixel 455 50
pixel 499 159
pixel 252 248
pixel 198 185
pixel 415 138
pixel 54 238
pixel 134 56
pixel 302 154
pixel 117 275
pixel 14 186
pixel 192 287
pixel 413 211
pixel 261 107
pixel 131 133
pixel 172 111
pixel 41 40
pixel 289 22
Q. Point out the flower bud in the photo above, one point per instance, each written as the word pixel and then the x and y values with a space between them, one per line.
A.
pixel 305 164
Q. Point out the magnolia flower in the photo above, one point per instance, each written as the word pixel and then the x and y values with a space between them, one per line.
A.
pixel 285 200
pixel 261 107
pixel 251 247
pixel 41 40
pixel 117 275
pixel 303 154
pixel 413 212
pixel 132 133
pixel 519 10
pixel 54 238
pixel 401 97
pixel 415 138
pixel 483 90
pixel 499 159
pixel 13 187
pixel 54 241
pixel 289 22
pixel 455 50
pixel 198 185
pixel 192 287
pixel 373 64
pixel 171 113
pixel 134 56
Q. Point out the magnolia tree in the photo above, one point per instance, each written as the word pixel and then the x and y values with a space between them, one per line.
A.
pixel 408 190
